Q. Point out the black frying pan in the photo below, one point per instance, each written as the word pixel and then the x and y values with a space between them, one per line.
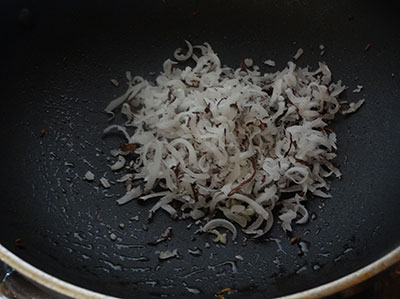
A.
pixel 57 58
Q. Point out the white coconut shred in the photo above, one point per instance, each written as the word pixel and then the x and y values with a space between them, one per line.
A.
pixel 227 143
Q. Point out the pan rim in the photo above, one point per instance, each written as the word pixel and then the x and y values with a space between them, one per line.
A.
pixel 65 288
pixel 351 279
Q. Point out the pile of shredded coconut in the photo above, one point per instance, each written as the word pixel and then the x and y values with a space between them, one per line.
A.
pixel 228 146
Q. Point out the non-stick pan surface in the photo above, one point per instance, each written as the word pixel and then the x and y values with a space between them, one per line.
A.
pixel 57 59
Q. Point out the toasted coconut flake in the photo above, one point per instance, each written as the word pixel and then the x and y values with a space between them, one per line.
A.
pixel 130 195
pixel 89 176
pixel 167 254
pixel 220 223
pixel 358 89
pixel 106 184
pixel 219 238
pixel 118 164
pixel 269 62
pixel 218 139
pixel 114 82
pixel 353 107
pixel 298 54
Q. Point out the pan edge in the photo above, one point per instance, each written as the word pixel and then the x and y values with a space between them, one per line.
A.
pixel 350 280
pixel 70 290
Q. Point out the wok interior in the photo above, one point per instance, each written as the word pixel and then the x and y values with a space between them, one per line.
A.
pixel 55 76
